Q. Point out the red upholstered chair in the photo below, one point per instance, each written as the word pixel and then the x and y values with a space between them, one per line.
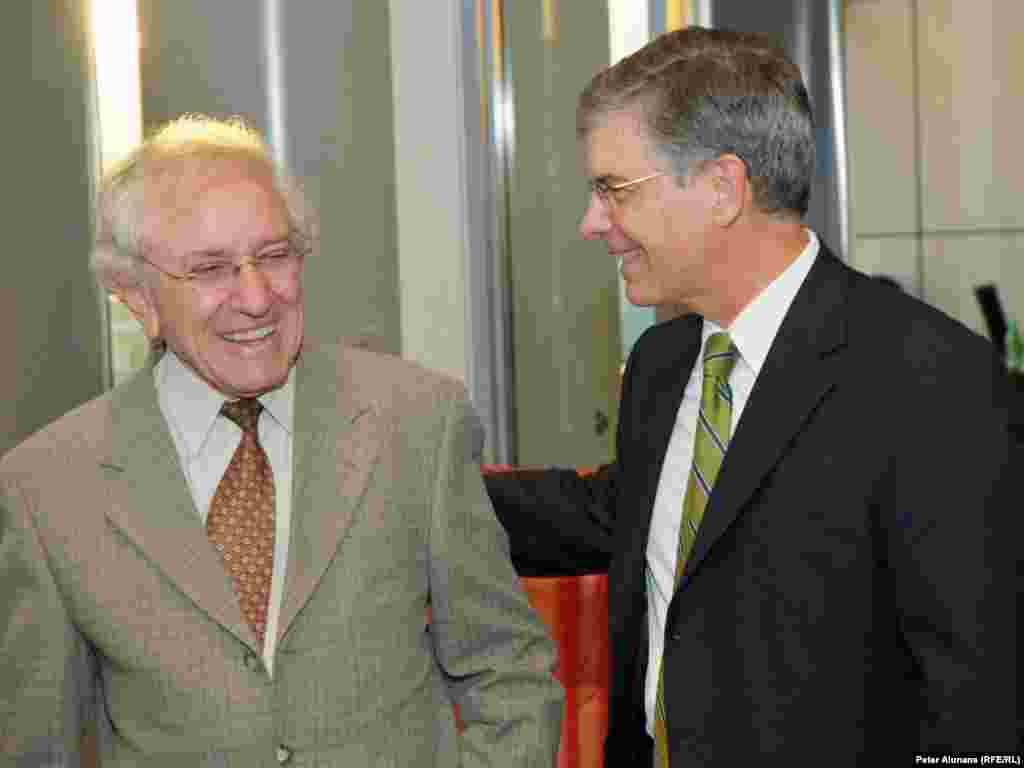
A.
pixel 575 610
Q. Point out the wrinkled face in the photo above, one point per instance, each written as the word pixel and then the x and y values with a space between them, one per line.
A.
pixel 241 338
pixel 657 228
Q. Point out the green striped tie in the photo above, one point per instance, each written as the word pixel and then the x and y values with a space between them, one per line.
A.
pixel 711 438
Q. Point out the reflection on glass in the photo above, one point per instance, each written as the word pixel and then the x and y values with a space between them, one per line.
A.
pixel 629 30
pixel 115 37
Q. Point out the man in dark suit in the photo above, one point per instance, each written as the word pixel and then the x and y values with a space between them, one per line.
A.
pixel 806 525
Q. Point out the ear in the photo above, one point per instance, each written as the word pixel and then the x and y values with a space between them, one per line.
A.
pixel 732 189
pixel 139 300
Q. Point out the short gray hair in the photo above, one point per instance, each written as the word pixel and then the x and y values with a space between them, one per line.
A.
pixel 179 148
pixel 704 93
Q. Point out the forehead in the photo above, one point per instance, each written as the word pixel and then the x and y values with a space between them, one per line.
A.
pixel 210 200
pixel 617 144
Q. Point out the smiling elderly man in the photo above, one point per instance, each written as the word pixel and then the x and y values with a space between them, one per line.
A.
pixel 232 554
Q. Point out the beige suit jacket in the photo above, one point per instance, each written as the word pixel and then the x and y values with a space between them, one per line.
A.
pixel 114 606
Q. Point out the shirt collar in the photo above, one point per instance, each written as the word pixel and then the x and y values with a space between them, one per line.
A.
pixel 193 405
pixel 754 329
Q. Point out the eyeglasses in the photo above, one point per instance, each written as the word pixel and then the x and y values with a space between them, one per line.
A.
pixel 276 264
pixel 610 193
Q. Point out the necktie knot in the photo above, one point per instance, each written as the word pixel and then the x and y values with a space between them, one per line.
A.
pixel 244 412
pixel 720 356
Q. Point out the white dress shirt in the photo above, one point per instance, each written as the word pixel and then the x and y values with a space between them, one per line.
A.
pixel 206 441
pixel 753 332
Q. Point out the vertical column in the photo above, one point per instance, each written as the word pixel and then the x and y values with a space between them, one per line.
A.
pixel 811 33
pixel 452 284
pixel 565 305
pixel 431 175
pixel 52 337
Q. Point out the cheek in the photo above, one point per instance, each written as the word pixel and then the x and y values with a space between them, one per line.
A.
pixel 203 314
pixel 199 321
pixel 672 229
pixel 290 296
pixel 623 228
pixel 649 229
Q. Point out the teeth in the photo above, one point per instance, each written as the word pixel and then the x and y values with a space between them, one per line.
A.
pixel 254 335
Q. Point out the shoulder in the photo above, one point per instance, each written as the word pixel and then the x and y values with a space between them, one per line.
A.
pixel 416 401
pixel 394 373
pixel 885 321
pixel 82 432
pixel 899 350
pixel 383 378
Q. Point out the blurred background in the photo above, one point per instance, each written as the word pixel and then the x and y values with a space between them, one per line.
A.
pixel 437 138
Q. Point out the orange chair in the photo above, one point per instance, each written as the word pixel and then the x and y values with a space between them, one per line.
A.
pixel 575 610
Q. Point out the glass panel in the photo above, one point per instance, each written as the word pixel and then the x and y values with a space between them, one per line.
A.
pixel 128 344
pixel 629 30
pixel 565 312
pixel 115 34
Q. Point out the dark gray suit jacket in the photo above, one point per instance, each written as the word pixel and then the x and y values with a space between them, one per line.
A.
pixel 851 596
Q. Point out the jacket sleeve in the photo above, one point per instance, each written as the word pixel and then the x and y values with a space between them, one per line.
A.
pixel 561 522
pixel 950 511
pixel 495 652
pixel 47 670
pixel 558 521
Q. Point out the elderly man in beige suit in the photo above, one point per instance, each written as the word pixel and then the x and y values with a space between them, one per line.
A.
pixel 228 560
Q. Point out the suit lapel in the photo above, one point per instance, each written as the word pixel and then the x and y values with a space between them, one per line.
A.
pixel 654 402
pixel 799 372
pixel 151 505
pixel 337 439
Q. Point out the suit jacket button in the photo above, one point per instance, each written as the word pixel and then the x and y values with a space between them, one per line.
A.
pixel 283 755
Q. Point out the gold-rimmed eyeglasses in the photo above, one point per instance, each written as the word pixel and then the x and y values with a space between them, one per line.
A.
pixel 220 274
pixel 610 194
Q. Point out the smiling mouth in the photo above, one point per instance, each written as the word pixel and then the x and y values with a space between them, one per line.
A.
pixel 248 337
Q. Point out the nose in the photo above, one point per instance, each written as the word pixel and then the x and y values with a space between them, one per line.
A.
pixel 252 291
pixel 595 222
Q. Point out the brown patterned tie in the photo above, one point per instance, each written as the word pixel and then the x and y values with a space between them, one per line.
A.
pixel 241 519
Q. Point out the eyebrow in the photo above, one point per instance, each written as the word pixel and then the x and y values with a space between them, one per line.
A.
pixel 217 253
pixel 211 254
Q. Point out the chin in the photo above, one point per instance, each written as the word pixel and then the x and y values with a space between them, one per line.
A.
pixel 249 385
pixel 640 298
